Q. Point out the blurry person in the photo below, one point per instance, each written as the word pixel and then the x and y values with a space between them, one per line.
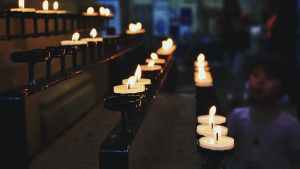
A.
pixel 266 136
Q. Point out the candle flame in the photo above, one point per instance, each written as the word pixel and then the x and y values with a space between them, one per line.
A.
pixel 211 116
pixel 201 58
pixel 93 33
pixel 75 36
pixel 21 3
pixel 151 63
pixel 167 44
pixel 45 5
pixel 131 82
pixel 138 73
pixel 217 133
pixel 132 27
pixel 212 110
pixel 139 26
pixel 135 27
pixel 55 5
pixel 154 56
pixel 90 11
pixel 107 12
pixel 102 10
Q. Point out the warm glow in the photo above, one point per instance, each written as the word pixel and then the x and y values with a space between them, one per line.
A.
pixel 217 133
pixel 45 5
pixel 211 117
pixel 55 5
pixel 212 111
pixel 76 36
pixel 131 82
pixel 135 27
pixel 151 63
pixel 154 56
pixel 101 10
pixel 139 26
pixel 201 58
pixel 21 3
pixel 138 73
pixel 167 44
pixel 202 74
pixel 107 12
pixel 90 11
pixel 93 33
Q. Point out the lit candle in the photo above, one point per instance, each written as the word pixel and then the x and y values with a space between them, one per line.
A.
pixel 45 5
pixel 211 118
pixel 90 11
pixel 21 3
pixel 75 40
pixel 151 67
pixel 131 87
pixel 21 7
pixel 55 5
pixel 217 142
pixel 207 130
pixel 167 48
pixel 138 76
pixel 156 59
pixel 135 29
pixel 93 37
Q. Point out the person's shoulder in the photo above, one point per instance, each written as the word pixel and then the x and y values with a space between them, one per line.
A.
pixel 240 113
pixel 288 119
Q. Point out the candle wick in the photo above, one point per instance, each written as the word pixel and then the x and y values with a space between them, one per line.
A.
pixel 217 137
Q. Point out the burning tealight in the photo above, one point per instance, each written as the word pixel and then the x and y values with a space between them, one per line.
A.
pixel 135 29
pixel 45 5
pixel 207 130
pixel 21 7
pixel 151 67
pixel 55 5
pixel 104 11
pixel 167 48
pixel 93 37
pixel 75 40
pixel 211 119
pixel 132 87
pixel 90 11
pixel 217 142
pixel 156 59
pixel 138 76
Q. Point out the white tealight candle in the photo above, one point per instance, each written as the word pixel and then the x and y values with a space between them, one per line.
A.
pixel 207 130
pixel 217 142
pixel 56 8
pixel 138 76
pixel 151 67
pixel 93 35
pixel 211 118
pixel 167 47
pixel 130 88
pixel 155 58
pixel 21 7
pixel 75 41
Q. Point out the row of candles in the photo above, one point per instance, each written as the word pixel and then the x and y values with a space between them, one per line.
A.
pixel 136 84
pixel 132 30
pixel 55 9
pixel 210 126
